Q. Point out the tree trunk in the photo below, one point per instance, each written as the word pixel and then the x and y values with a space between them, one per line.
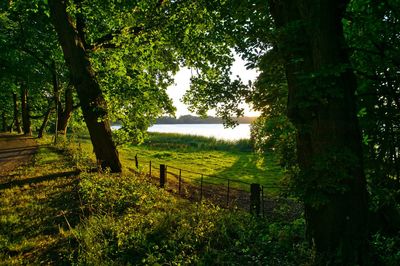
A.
pixel 64 114
pixel 3 117
pixel 16 119
pixel 26 121
pixel 10 127
pixel 44 122
pixel 322 106
pixel 93 104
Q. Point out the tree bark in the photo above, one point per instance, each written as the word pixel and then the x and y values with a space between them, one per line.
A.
pixel 26 121
pixel 16 119
pixel 93 104
pixel 322 106
pixel 45 120
pixel 4 122
pixel 64 113
pixel 10 127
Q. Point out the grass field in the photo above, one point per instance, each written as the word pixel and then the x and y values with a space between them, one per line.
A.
pixel 202 155
pixel 37 208
pixel 50 215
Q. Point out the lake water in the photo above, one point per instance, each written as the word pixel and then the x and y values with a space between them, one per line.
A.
pixel 242 131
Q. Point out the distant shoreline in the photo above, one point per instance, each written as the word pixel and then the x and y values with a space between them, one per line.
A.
pixel 217 131
pixel 196 123
pixel 190 119
pixel 194 120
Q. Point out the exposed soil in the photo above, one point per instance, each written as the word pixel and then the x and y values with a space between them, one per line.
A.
pixel 15 150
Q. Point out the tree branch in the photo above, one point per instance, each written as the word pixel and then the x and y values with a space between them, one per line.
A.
pixel 40 116
pixel 105 40
pixel 35 56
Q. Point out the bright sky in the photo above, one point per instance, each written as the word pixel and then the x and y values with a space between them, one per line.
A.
pixel 182 82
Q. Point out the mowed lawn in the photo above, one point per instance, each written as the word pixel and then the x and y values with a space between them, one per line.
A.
pixel 201 155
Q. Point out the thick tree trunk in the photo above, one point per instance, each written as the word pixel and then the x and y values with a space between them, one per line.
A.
pixel 16 119
pixel 26 121
pixel 4 122
pixel 44 122
pixel 92 102
pixel 322 106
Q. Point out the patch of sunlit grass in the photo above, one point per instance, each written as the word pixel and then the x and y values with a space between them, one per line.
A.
pixel 32 203
pixel 202 155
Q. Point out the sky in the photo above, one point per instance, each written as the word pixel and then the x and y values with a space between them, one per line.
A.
pixel 182 82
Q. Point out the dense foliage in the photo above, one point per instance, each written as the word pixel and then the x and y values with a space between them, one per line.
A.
pixel 372 32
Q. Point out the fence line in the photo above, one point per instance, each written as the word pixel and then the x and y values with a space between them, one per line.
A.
pixel 223 194
pixel 223 178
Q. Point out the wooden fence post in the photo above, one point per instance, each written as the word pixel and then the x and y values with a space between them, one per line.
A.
pixel 163 174
pixel 201 188
pixel 136 162
pixel 227 196
pixel 255 190
pixel 180 180
pixel 150 168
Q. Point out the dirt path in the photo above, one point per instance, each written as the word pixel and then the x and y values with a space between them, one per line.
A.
pixel 15 150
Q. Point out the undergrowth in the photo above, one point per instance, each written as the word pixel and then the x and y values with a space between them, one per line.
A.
pixel 110 219
pixel 129 221
pixel 133 222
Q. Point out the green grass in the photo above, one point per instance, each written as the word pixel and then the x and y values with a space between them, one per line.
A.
pixel 48 217
pixel 35 204
pixel 202 155
pixel 51 217
pixel 132 222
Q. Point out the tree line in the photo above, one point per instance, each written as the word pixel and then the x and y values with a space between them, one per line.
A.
pixel 328 90
pixel 191 119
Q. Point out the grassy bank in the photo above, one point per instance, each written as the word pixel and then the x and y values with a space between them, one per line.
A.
pixel 49 215
pixel 132 222
pixel 202 155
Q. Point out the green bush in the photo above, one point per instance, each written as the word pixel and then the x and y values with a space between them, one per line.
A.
pixel 385 249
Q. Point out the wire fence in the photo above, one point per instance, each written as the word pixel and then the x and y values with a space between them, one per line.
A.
pixel 225 192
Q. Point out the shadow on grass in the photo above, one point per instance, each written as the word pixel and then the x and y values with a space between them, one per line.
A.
pixel 25 148
pixel 10 136
pixel 38 217
pixel 38 179
pixel 246 169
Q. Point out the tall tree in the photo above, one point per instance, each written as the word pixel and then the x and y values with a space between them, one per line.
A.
pixel 306 38
pixel 93 104
pixel 25 45
pixel 322 107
